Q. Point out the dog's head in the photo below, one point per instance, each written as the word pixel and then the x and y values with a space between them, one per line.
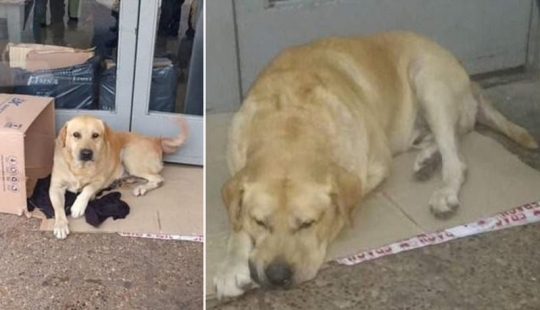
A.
pixel 84 138
pixel 291 221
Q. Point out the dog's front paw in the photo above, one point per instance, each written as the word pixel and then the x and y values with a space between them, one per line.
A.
pixel 61 229
pixel 78 208
pixel 232 280
pixel 444 202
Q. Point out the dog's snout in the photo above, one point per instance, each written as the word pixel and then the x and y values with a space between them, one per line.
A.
pixel 86 154
pixel 279 273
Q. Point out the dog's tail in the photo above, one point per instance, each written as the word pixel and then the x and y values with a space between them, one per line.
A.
pixel 490 117
pixel 171 145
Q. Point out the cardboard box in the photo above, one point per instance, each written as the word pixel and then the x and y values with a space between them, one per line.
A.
pixel 27 135
pixel 35 57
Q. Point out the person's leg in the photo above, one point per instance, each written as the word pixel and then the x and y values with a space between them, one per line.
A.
pixel 105 37
pixel 57 20
pixel 163 27
pixel 112 43
pixel 174 24
pixel 40 7
pixel 74 12
pixel 165 17
pixel 44 17
pixel 74 9
pixel 190 32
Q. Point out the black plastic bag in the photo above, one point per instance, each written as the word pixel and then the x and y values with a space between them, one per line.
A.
pixel 72 87
pixel 162 93
pixel 107 89
pixel 164 88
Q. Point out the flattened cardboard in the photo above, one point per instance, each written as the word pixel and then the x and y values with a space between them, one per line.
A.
pixel 377 222
pixel 34 57
pixel 27 136
pixel 176 208
pixel 497 181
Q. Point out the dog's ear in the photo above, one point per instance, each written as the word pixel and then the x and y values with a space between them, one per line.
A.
pixel 107 131
pixel 346 191
pixel 62 135
pixel 232 193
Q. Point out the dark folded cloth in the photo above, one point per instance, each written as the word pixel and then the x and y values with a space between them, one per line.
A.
pixel 98 210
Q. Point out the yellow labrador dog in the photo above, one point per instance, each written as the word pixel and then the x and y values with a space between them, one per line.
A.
pixel 89 156
pixel 318 130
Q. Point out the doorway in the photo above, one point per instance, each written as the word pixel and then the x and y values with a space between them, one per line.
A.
pixel 137 79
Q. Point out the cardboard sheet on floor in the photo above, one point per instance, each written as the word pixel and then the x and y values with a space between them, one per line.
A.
pixel 497 181
pixel 176 208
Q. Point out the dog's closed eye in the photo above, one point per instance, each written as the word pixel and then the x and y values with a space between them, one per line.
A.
pixel 306 224
pixel 261 223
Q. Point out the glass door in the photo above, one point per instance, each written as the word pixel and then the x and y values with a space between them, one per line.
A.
pixel 169 73
pixel 133 63
pixel 63 48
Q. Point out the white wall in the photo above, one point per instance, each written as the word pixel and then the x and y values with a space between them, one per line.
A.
pixel 486 34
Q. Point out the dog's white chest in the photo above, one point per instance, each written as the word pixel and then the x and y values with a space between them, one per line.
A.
pixel 74 186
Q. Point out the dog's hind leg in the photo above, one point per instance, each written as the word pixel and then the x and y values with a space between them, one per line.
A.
pixel 428 159
pixel 441 117
pixel 442 102
pixel 445 99
pixel 153 181
pixel 141 160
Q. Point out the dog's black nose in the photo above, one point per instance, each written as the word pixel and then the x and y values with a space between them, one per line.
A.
pixel 279 273
pixel 86 154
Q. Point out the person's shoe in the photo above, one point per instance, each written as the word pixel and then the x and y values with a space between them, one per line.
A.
pixel 73 22
pixel 60 42
pixel 190 33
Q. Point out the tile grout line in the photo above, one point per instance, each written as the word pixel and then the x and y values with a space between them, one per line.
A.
pixel 396 205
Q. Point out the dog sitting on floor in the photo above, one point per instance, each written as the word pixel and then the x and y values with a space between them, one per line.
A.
pixel 89 156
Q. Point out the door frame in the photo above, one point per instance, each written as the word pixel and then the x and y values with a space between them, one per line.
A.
pixel 533 53
pixel 160 123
